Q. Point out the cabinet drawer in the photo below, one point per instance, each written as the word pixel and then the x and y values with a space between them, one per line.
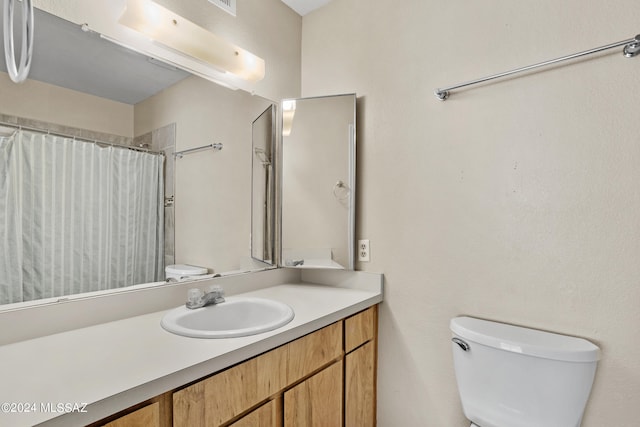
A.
pixel 229 393
pixel 313 351
pixel 149 416
pixel 360 328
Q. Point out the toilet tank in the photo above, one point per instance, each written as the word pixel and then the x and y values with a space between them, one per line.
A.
pixel 510 376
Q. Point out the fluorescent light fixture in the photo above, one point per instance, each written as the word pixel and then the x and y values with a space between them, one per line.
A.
pixel 211 74
pixel 288 111
pixel 178 34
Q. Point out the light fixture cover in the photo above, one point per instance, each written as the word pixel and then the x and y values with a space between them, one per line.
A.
pixel 179 34
pixel 288 112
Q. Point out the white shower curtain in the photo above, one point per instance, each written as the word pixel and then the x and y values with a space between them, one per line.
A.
pixel 77 217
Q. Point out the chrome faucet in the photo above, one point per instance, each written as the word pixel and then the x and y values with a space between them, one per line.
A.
pixel 196 298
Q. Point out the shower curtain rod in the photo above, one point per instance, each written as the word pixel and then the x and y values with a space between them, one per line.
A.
pixel 92 141
pixel 631 49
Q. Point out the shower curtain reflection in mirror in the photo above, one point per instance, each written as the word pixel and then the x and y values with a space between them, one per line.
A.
pixel 77 217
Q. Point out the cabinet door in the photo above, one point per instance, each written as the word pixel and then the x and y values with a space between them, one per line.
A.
pixel 224 396
pixel 360 387
pixel 268 415
pixel 149 416
pixel 317 401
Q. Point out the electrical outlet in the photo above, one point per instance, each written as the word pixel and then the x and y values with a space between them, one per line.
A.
pixel 364 251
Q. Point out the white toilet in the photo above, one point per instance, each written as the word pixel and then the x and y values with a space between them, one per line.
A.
pixel 182 272
pixel 510 376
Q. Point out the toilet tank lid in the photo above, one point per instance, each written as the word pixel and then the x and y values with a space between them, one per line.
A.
pixel 525 341
pixel 185 269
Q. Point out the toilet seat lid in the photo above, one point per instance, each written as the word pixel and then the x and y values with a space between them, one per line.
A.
pixel 185 269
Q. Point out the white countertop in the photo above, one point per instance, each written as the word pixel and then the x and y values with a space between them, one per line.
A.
pixel 114 365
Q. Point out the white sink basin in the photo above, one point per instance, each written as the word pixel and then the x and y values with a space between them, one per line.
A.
pixel 236 317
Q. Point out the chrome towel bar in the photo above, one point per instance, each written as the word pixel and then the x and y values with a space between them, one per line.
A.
pixel 631 49
pixel 215 146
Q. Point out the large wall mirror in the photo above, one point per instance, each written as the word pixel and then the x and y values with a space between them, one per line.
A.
pixel 80 213
pixel 318 182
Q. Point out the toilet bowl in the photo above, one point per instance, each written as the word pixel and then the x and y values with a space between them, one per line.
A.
pixel 510 376
pixel 182 272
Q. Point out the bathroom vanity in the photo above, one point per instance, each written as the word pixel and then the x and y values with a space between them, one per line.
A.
pixel 130 371
pixel 314 380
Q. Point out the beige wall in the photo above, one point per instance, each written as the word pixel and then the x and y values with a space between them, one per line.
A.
pixel 212 189
pixel 53 104
pixel 516 201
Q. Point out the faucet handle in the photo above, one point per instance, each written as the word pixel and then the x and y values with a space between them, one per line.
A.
pixel 216 293
pixel 217 289
pixel 194 296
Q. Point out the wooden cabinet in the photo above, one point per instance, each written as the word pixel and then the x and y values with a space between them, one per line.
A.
pixel 154 412
pixel 224 396
pixel 360 387
pixel 326 378
pixel 267 415
pixel 317 401
pixel 148 416
pixel 360 369
pixel 360 328
pixel 313 351
pixel 231 394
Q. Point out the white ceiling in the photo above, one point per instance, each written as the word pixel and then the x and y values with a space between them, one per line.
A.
pixel 305 6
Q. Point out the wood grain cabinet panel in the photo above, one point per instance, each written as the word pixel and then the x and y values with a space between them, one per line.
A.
pixel 317 401
pixel 189 406
pixel 360 386
pixel 313 351
pixel 149 416
pixel 268 415
pixel 360 328
pixel 217 399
